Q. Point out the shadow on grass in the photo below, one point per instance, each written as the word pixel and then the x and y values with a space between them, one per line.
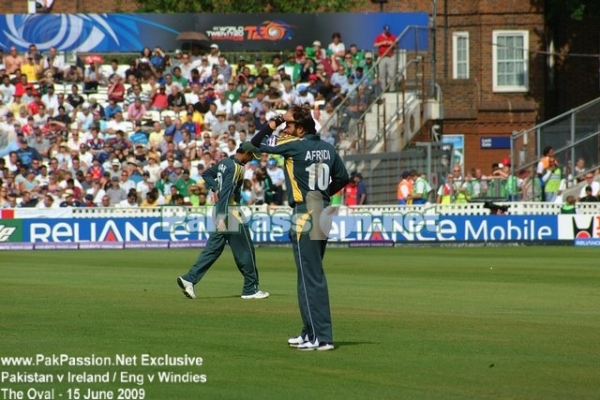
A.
pixel 344 344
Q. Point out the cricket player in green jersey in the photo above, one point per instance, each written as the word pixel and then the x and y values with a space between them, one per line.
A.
pixel 313 173
pixel 225 179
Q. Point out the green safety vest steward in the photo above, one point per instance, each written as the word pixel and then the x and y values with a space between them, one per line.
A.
pixel 421 187
pixel 512 185
pixel 553 183
pixel 471 185
pixel 460 197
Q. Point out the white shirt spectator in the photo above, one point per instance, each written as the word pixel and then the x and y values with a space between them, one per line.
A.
pixel 57 62
pixel 210 119
pixel 153 170
pixel 86 159
pixel 142 189
pixel 276 175
pixel 336 48
pixel 9 129
pixel 308 98
pixel 113 126
pixel 7 92
pixel 125 204
pixel 41 205
pixel 63 184
pixel 74 145
pixel 51 102
pixel 289 97
pixel 127 185
pixel 227 107
pixel 249 173
pixel 99 195
pixel 84 120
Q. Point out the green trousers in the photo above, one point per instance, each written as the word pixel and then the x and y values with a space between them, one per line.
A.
pixel 313 294
pixel 243 254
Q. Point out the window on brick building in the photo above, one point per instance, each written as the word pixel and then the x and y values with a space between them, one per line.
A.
pixel 460 55
pixel 511 61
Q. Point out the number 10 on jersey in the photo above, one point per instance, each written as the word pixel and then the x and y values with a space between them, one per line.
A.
pixel 318 176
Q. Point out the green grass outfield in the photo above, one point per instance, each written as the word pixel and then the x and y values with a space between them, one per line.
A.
pixel 409 323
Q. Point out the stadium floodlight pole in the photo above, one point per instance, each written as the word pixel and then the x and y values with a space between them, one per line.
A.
pixel 433 46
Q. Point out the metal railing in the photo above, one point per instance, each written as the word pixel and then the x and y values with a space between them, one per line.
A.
pixel 573 135
pixel 351 125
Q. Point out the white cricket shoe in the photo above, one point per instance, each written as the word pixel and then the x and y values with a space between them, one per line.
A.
pixel 297 341
pixel 258 295
pixel 187 288
pixel 309 346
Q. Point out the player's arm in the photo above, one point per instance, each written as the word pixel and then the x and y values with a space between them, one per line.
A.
pixel 210 178
pixel 265 132
pixel 339 176
pixel 226 186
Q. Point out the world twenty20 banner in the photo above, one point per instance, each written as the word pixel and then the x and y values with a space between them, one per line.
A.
pixel 255 32
pixel 274 228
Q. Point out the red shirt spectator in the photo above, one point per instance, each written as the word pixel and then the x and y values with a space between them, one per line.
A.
pixel 384 41
pixel 350 194
pixel 116 90
pixel 160 100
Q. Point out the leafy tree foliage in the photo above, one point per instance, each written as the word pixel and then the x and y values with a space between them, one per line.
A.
pixel 247 6
pixel 575 9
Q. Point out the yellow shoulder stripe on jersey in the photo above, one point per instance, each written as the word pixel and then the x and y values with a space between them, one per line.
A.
pixel 289 167
pixel 286 139
pixel 238 174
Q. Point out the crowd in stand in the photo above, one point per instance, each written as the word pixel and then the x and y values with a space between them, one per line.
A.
pixel 546 182
pixel 98 134
pixel 95 134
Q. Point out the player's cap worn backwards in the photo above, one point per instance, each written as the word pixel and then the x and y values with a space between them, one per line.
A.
pixel 247 146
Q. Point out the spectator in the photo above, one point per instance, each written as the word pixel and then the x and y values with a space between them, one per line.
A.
pixel 176 100
pixel 73 74
pixel 569 207
pixel 47 202
pixel 27 154
pixel 351 194
pixel 151 200
pixel 552 178
pixel 184 183
pixel 131 201
pixel 579 172
pixel 116 90
pixel 447 191
pixel 31 70
pixel 336 47
pixel 92 78
pixel 592 184
pixel 386 43
pixel 405 189
pixel 421 188
pixel 278 179
pixel 125 183
pixel 13 61
pixel 105 202
pixel 69 200
pixel 115 193
pixel 589 196
pixel 160 100
pixel 88 201
pixel 143 64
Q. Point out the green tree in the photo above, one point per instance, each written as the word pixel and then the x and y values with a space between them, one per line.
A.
pixel 244 6
pixel 575 9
